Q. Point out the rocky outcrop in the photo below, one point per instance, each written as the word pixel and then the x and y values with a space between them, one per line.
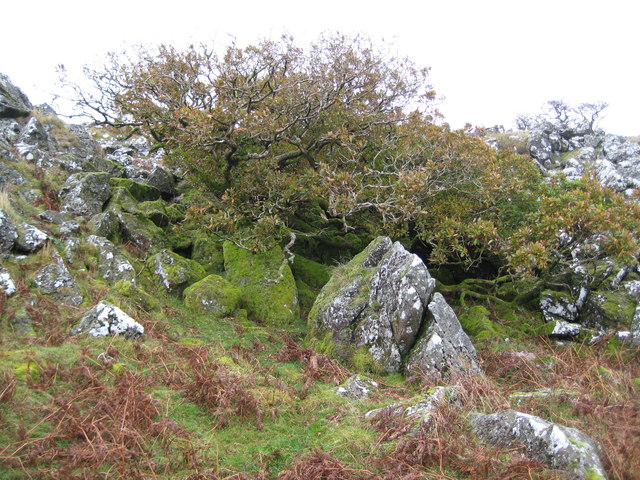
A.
pixel 13 103
pixel 8 232
pixel 30 238
pixel 420 412
pixel 7 285
pixel 106 319
pixel 560 447
pixel 112 265
pixel 378 304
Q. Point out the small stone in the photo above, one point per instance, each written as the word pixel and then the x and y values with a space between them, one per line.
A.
pixel 357 387
pixel 30 238
pixel 56 281
pixel 106 319
pixel 7 285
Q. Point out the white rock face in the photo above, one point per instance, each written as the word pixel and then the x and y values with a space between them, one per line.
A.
pixel 106 319
pixel 566 329
pixel 7 285
pixel 561 447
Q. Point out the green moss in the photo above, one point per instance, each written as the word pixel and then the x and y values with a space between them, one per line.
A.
pixel 213 294
pixel 363 361
pixel 591 474
pixel 176 212
pixel 208 252
pixel 619 308
pixel 30 370
pixel 343 276
pixel 313 274
pixel 140 191
pixel 475 322
pixel 122 200
pixel 133 293
pixel 268 287
pixel 142 232
pixel 155 211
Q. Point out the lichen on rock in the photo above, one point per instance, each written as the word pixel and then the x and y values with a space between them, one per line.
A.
pixel 106 319
pixel 561 447
pixel 174 271
pixel 443 350
pixel 375 302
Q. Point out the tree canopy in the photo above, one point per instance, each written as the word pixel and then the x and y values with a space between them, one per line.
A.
pixel 338 138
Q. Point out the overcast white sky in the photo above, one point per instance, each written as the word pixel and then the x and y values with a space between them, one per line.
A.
pixel 490 59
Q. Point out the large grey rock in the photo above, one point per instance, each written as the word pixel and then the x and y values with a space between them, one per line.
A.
pixel 8 232
pixel 84 194
pixel 30 238
pixel 540 148
pixel 560 447
pixel 7 285
pixel 56 281
pixel 13 103
pixel 112 265
pixel 558 306
pixel 34 134
pixel 376 303
pixel 105 319
pixel 9 131
pixel 617 148
pixel 444 349
pixel 106 224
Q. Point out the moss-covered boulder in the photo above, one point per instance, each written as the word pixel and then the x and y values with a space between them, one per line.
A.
pixel 174 271
pixel 155 211
pixel 142 232
pixel 122 200
pixel 609 309
pixel 208 252
pixel 213 294
pixel 140 191
pixel 310 278
pixel 268 287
